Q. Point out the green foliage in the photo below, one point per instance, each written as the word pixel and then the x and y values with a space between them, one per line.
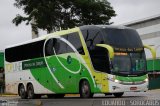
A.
pixel 52 15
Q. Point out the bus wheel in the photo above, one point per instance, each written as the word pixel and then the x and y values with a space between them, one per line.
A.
pixel 30 91
pixel 22 92
pixel 85 91
pixel 118 94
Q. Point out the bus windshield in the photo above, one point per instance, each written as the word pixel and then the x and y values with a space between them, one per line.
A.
pixel 129 56
pixel 129 63
pixel 129 53
pixel 122 38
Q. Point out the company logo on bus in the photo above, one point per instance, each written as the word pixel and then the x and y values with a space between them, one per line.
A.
pixel 69 59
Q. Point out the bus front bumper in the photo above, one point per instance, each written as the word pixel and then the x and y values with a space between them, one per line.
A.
pixel 118 87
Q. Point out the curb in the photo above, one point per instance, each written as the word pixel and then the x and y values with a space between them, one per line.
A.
pixel 152 90
pixel 8 95
pixel 68 95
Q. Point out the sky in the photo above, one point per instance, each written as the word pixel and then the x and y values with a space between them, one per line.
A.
pixel 126 10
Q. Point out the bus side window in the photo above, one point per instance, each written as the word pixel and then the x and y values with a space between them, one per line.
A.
pixel 74 39
pixel 60 47
pixel 49 47
pixel 100 59
pixel 99 56
pixel 25 52
pixel 92 37
pixel 55 46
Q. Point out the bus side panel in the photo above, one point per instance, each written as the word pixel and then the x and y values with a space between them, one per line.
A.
pixel 14 77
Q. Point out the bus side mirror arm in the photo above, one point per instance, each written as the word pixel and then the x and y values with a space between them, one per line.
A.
pixel 153 51
pixel 109 48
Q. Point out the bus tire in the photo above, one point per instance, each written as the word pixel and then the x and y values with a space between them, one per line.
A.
pixel 118 95
pixel 22 92
pixel 85 90
pixel 30 91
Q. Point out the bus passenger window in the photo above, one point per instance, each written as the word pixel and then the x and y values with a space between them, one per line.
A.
pixel 49 47
pixel 92 37
pixel 74 39
pixel 99 56
pixel 100 59
pixel 55 46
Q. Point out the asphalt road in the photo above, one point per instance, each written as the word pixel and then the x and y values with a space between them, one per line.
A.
pixel 149 98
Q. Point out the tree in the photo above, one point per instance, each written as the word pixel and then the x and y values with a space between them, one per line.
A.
pixel 51 15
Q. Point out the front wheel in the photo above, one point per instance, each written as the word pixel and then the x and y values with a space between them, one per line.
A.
pixel 85 91
pixel 118 94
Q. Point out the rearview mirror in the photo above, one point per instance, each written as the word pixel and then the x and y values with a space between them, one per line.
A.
pixel 109 48
pixel 153 51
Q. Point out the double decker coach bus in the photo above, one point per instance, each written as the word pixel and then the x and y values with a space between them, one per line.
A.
pixel 83 60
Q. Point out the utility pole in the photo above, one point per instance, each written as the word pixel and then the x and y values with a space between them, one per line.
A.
pixel 34 29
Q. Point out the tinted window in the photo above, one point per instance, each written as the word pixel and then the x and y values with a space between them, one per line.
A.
pixel 35 49
pixel 99 56
pixel 55 45
pixel 49 47
pixel 60 46
pixel 24 52
pixel 74 39
pixel 100 59
pixel 123 38
pixel 92 37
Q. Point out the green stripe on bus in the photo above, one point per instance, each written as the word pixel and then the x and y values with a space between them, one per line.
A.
pixel 131 79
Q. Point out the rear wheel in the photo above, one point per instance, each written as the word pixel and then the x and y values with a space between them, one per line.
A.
pixel 22 92
pixel 30 92
pixel 85 91
pixel 118 94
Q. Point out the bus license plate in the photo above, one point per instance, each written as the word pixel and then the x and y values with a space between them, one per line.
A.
pixel 133 88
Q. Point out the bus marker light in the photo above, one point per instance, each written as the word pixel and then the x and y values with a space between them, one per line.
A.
pixel 116 81
pixel 146 80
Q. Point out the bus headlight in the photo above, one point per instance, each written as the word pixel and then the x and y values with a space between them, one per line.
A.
pixel 112 78
pixel 146 80
pixel 116 80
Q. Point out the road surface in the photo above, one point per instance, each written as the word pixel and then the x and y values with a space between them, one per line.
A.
pixel 149 98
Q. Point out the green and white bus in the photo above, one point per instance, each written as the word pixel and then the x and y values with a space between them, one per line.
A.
pixel 84 60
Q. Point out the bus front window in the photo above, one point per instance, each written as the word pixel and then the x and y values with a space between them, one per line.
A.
pixel 129 63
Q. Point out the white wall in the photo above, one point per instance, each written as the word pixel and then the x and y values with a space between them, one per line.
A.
pixel 156 44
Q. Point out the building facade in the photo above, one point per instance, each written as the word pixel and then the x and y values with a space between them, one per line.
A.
pixel 149 30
